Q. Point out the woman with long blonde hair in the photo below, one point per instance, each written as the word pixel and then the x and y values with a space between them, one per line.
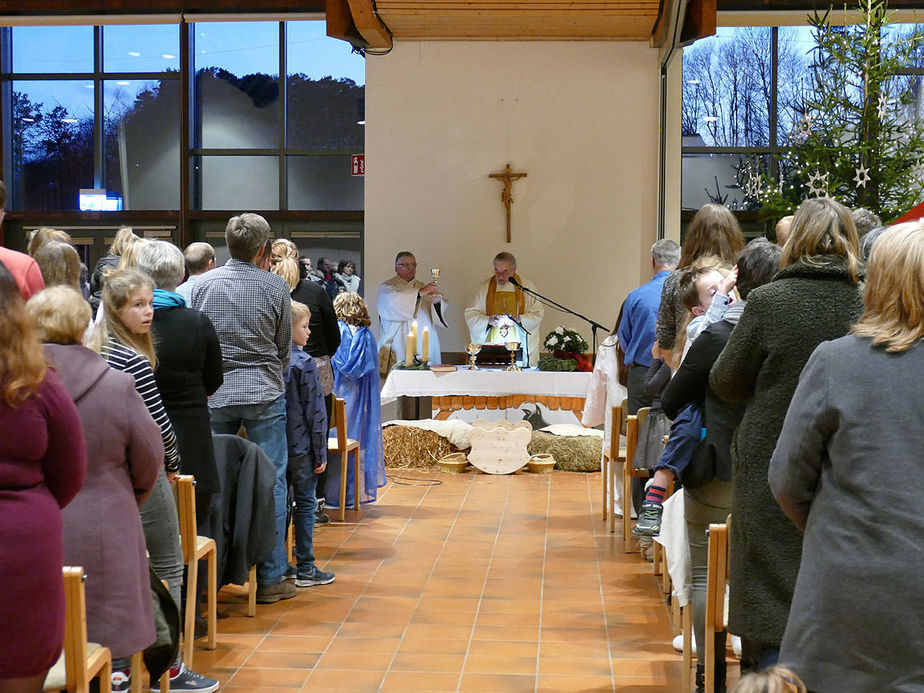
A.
pixel 845 471
pixel 815 297
pixel 42 467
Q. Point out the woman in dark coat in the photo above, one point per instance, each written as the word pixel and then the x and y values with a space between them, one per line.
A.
pixel 814 298
pixel 846 470
pixel 189 370
pixel 124 458
pixel 42 466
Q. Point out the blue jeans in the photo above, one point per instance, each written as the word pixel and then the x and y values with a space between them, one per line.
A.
pixel 265 425
pixel 304 485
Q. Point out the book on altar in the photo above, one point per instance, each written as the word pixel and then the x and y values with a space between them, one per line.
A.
pixel 443 368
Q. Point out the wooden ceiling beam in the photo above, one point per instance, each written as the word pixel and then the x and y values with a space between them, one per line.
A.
pixel 85 7
pixel 369 25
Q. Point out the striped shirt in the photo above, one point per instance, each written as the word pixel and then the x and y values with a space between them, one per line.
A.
pixel 127 360
pixel 251 311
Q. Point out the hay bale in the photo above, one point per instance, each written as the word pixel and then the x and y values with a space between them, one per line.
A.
pixel 407 447
pixel 571 453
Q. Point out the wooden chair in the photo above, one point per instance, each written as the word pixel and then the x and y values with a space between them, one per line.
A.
pixel 633 425
pixel 343 445
pixel 717 577
pixel 615 453
pixel 194 549
pixel 687 615
pixel 81 661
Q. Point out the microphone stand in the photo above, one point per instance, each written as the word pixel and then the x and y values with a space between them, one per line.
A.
pixel 594 326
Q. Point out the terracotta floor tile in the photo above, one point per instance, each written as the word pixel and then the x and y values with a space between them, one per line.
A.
pixel 367 661
pixel 488 618
pixel 294 643
pixel 490 648
pixel 500 664
pixel 281 660
pixel 437 632
pixel 343 645
pixel 430 662
pixel 505 633
pixel 344 680
pixel 479 683
pixel 559 684
pixel 419 681
pixel 581 666
pixel 428 646
pixel 281 678
pixel 439 616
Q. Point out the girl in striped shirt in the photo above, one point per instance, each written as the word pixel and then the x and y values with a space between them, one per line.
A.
pixel 123 338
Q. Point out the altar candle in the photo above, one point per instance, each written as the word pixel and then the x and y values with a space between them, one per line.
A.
pixel 425 348
pixel 411 349
pixel 414 332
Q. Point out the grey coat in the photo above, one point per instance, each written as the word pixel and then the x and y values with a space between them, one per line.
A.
pixel 847 469
pixel 783 322
pixel 101 526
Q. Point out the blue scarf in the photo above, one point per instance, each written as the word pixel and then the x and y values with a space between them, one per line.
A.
pixel 168 299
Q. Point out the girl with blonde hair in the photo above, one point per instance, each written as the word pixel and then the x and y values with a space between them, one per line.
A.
pixel 844 472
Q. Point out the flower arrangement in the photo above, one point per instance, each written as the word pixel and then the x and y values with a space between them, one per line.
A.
pixel 568 348
pixel 562 339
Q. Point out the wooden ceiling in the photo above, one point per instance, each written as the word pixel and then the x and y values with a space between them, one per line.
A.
pixel 520 19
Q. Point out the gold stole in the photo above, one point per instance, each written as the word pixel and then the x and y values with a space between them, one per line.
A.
pixel 502 302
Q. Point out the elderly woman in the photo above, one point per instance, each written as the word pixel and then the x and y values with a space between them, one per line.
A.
pixel 356 380
pixel 125 457
pixel 189 370
pixel 814 298
pixel 845 471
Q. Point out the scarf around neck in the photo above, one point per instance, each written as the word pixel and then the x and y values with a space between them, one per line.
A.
pixel 492 291
pixel 168 299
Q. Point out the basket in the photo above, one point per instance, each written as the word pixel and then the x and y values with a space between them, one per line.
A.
pixel 454 463
pixel 541 464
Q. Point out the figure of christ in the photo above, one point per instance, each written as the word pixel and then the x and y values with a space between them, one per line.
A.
pixel 501 312
pixel 404 299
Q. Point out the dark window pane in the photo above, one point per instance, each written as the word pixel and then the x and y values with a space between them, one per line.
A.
pixel 728 179
pixel 52 143
pixel 239 182
pixel 323 182
pixel 237 85
pixel 726 89
pixel 326 90
pixel 44 49
pixel 145 48
pixel 142 142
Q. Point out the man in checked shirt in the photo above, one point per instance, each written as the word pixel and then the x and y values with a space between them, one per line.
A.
pixel 250 309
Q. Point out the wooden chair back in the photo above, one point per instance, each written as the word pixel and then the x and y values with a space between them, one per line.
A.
pixel 608 463
pixel 184 491
pixel 343 445
pixel 717 578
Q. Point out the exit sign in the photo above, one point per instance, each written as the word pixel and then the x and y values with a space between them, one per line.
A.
pixel 359 164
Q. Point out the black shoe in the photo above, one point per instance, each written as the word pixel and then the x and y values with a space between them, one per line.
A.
pixel 720 669
pixel 649 519
pixel 321 518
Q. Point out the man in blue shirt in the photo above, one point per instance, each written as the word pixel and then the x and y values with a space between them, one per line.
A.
pixel 636 330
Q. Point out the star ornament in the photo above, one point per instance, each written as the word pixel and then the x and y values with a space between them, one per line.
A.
pixel 862 177
pixel 818 178
pixel 883 106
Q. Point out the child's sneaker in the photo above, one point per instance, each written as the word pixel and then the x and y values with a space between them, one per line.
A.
pixel 314 576
pixel 183 679
pixel 121 680
pixel 649 519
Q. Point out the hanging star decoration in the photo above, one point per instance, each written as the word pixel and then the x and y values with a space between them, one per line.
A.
pixel 803 129
pixel 862 177
pixel 818 190
pixel 883 106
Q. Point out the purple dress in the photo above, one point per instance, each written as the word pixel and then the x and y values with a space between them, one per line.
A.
pixel 42 467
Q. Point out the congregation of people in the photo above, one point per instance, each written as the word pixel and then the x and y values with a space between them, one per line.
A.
pixel 780 373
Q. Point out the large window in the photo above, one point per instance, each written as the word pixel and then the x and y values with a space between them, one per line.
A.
pixel 274 113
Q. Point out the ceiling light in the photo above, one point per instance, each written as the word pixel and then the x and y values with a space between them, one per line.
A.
pixel 87 86
pixel 709 119
pixel 27 120
pixel 69 120
pixel 134 54
pixel 123 83
pixel 360 122
pixel 167 56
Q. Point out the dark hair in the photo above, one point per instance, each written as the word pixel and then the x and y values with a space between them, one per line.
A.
pixel 344 264
pixel 403 254
pixel 864 220
pixel 2 195
pixel 686 287
pixel 757 264
pixel 713 231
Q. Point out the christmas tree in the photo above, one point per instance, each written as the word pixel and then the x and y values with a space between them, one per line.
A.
pixel 859 139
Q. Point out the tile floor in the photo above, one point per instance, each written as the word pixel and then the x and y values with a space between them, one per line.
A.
pixel 460 583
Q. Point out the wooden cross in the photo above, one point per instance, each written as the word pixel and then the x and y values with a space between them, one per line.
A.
pixel 508 176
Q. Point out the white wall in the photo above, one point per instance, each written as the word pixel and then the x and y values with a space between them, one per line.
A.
pixel 581 118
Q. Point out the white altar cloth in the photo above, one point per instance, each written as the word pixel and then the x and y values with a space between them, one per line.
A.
pixel 490 383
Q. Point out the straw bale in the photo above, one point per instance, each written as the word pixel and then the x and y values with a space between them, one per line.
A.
pixel 571 453
pixel 408 447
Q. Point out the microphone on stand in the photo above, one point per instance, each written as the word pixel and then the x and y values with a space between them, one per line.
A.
pixel 513 281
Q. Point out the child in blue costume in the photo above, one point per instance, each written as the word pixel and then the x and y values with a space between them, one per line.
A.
pixel 356 381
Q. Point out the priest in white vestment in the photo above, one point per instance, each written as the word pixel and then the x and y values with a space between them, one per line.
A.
pixel 502 312
pixel 404 299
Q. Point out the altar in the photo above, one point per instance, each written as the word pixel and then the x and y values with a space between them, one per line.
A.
pixel 488 389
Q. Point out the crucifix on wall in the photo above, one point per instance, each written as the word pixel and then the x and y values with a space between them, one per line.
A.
pixel 508 176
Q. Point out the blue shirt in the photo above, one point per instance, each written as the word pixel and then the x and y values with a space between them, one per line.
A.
pixel 636 331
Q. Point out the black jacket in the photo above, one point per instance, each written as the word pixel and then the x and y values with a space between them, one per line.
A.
pixel 189 369
pixel 244 523
pixel 712 459
pixel 325 334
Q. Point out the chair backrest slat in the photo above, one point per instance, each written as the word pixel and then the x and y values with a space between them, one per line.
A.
pixel 184 490
pixel 75 629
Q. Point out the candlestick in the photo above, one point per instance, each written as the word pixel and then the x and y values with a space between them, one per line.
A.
pixel 425 348
pixel 411 348
pixel 414 332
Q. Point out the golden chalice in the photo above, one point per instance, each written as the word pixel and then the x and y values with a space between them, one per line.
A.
pixel 512 348
pixel 472 350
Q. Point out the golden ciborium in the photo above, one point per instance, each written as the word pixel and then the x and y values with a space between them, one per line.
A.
pixel 473 350
pixel 512 348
